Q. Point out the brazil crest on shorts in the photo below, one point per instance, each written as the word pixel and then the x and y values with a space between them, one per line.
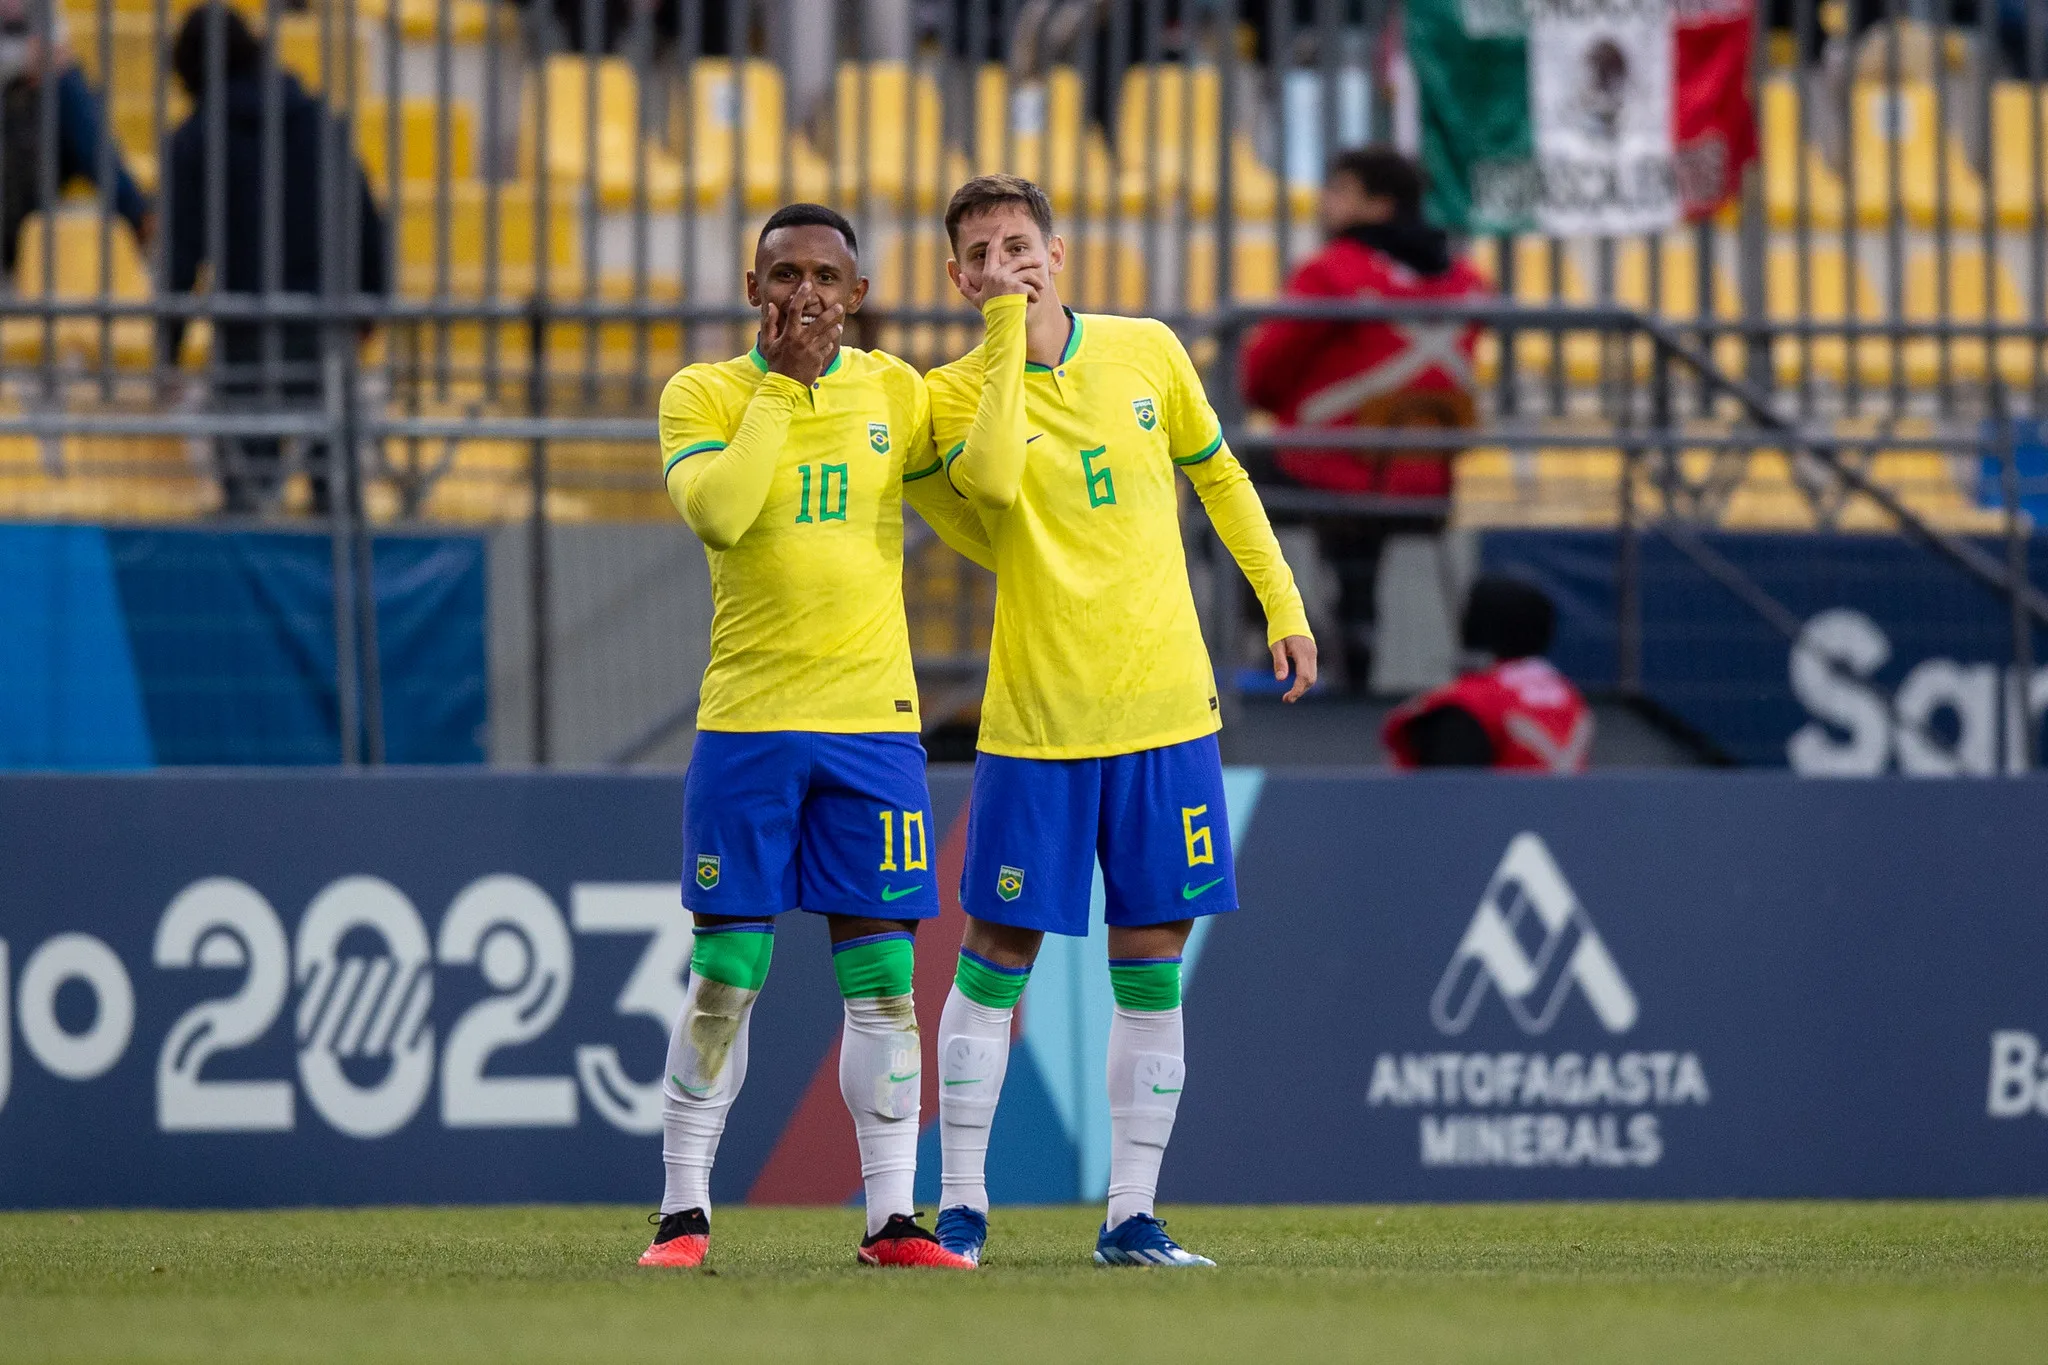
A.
pixel 1009 882
pixel 707 870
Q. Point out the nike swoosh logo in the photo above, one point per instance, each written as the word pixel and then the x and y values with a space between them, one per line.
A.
pixel 1188 893
pixel 1165 1090
pixel 890 893
pixel 895 1079
pixel 690 1089
pixel 972 1080
pixel 1029 439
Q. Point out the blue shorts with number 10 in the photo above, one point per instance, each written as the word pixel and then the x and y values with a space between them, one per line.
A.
pixel 1155 819
pixel 788 819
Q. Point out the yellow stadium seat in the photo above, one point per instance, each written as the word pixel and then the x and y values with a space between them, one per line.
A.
pixel 419 20
pixel 1534 286
pixel 1767 499
pixel 1784 153
pixel 729 135
pixel 618 143
pixel 1968 293
pixel 2015 127
pixel 1904 122
pixel 469 210
pixel 77 275
pixel 1825 277
pixel 1169 134
pixel 1254 269
pixel 418 141
pixel 888 129
pixel 1677 297
pixel 1038 130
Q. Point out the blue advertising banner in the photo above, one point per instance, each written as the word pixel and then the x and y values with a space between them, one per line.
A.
pixel 1902 664
pixel 411 987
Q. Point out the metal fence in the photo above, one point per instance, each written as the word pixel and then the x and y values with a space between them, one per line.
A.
pixel 565 197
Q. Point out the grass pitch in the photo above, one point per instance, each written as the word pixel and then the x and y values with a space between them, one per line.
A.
pixel 1803 1282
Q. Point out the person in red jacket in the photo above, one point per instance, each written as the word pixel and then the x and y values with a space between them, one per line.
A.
pixel 1370 374
pixel 1514 710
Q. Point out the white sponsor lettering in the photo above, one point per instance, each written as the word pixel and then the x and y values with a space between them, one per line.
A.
pixel 85 960
pixel 2019 1076
pixel 1541 1140
pixel 1857 731
pixel 509 929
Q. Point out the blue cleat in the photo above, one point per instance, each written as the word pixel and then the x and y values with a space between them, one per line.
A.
pixel 1141 1240
pixel 962 1231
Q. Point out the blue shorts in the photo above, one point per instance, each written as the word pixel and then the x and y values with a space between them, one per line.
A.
pixel 1155 819
pixel 837 824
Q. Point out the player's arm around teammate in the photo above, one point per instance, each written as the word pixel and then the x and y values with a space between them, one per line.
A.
pixel 806 785
pixel 1098 728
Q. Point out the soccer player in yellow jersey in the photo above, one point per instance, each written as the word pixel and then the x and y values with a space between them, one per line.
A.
pixel 806 787
pixel 1098 731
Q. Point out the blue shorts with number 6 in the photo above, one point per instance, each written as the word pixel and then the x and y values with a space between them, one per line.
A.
pixel 1155 819
pixel 788 819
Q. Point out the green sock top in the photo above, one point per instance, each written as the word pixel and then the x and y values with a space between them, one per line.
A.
pixel 1145 983
pixel 733 955
pixel 874 965
pixel 988 984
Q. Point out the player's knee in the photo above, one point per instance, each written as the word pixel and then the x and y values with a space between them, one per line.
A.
pixel 875 966
pixel 1149 940
pixel 1005 945
pixel 1147 984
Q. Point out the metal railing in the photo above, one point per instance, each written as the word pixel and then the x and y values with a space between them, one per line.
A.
pixel 567 195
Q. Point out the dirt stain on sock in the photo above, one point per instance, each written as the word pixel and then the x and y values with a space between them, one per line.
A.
pixel 715 1024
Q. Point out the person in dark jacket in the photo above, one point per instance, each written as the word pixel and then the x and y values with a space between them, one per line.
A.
pixel 329 235
pixel 27 56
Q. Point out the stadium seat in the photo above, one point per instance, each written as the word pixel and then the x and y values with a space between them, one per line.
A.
pixel 1534 286
pixel 1039 131
pixel 1767 499
pixel 1784 153
pixel 729 134
pixel 1106 271
pixel 2016 125
pixel 1824 275
pixel 1677 296
pixel 75 239
pixel 468 206
pixel 1968 293
pixel 1169 130
pixel 418 141
pixel 887 134
pixel 618 143
pixel 1254 270
pixel 1905 123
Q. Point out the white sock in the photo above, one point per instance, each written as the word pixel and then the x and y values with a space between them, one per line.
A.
pixel 974 1055
pixel 879 1064
pixel 1147 1066
pixel 707 1063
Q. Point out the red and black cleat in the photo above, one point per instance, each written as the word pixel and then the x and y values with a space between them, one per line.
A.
pixel 902 1242
pixel 680 1242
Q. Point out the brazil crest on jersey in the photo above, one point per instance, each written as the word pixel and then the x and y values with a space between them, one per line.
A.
pixel 807 629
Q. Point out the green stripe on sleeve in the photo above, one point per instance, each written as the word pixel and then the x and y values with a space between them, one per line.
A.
pixel 950 455
pixel 686 452
pixel 1204 453
pixel 934 467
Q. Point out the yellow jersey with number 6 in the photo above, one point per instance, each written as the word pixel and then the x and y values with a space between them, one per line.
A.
pixel 807 628
pixel 1097 648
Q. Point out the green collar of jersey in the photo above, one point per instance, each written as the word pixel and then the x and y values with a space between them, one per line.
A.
pixel 761 361
pixel 1073 344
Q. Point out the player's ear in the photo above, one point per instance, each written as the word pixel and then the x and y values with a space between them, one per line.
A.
pixel 753 290
pixel 1056 254
pixel 855 295
pixel 953 274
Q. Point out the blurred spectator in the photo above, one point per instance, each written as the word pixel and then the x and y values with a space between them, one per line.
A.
pixel 1370 374
pixel 312 227
pixel 22 65
pixel 1510 709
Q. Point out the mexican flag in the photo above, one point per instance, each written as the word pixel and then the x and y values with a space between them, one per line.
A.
pixel 1581 117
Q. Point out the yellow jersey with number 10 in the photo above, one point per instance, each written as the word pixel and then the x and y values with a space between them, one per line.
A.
pixel 1097 648
pixel 807 627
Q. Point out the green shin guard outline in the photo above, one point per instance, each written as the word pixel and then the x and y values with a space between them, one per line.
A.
pixel 1151 984
pixel 987 984
pixel 879 965
pixel 733 957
